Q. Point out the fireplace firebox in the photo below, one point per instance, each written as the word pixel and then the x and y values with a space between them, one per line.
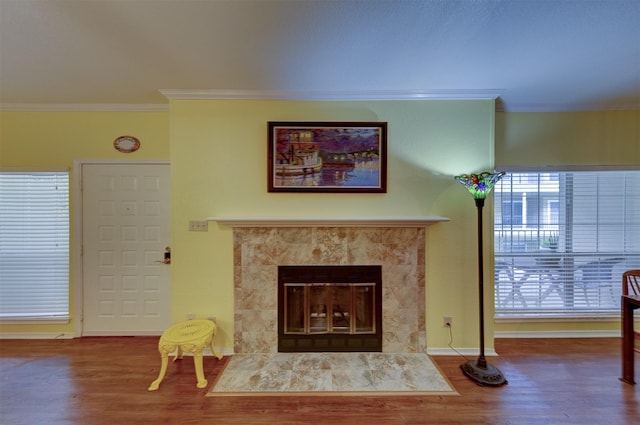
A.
pixel 329 308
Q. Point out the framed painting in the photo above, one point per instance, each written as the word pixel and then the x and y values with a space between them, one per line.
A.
pixel 327 157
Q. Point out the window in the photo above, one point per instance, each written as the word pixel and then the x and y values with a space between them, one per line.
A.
pixel 562 241
pixel 512 212
pixel 34 245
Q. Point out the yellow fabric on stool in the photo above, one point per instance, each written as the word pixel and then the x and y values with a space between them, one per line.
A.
pixel 192 336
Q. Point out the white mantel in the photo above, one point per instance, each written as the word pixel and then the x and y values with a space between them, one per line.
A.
pixel 357 221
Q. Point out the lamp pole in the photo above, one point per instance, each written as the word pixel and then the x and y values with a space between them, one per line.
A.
pixel 480 185
pixel 482 361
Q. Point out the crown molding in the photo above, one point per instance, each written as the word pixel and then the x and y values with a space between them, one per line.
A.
pixel 83 107
pixel 178 94
pixel 568 107
pixel 372 95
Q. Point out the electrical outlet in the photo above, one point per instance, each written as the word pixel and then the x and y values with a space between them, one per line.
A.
pixel 447 321
pixel 191 316
pixel 198 226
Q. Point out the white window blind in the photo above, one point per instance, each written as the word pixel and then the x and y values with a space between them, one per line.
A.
pixel 34 245
pixel 562 241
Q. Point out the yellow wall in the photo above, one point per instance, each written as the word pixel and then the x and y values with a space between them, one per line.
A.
pixel 561 139
pixel 218 154
pixel 568 138
pixel 56 139
pixel 219 168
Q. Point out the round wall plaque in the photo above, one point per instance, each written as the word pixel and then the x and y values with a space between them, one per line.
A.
pixel 126 144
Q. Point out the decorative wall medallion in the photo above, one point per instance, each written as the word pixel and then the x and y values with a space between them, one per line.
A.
pixel 126 144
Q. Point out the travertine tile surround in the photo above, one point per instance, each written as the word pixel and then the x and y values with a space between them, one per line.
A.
pixel 258 251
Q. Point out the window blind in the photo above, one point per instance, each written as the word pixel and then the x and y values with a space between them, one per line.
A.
pixel 563 239
pixel 34 245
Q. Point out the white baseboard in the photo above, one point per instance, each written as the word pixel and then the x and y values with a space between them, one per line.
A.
pixel 36 335
pixel 56 335
pixel 207 352
pixel 224 351
pixel 448 351
pixel 558 334
pixel 121 333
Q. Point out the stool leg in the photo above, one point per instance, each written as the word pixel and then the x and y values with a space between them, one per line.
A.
pixel 215 353
pixel 197 362
pixel 163 369
pixel 178 354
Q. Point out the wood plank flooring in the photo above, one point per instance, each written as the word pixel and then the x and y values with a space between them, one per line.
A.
pixel 104 380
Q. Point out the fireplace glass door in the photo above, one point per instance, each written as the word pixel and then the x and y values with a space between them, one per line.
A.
pixel 329 308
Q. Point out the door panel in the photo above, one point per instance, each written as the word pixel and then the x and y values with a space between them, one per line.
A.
pixel 126 228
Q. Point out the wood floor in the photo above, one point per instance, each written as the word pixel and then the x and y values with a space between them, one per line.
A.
pixel 104 380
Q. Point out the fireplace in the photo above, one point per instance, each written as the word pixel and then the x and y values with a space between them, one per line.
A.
pixel 329 308
pixel 262 245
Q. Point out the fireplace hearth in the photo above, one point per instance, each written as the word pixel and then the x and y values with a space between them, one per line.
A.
pixel 329 308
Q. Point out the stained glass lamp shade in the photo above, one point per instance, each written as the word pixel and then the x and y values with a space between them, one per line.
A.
pixel 480 185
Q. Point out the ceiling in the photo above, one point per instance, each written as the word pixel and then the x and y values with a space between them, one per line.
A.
pixel 532 55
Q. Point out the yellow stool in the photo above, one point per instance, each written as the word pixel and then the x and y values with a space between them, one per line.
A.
pixel 192 336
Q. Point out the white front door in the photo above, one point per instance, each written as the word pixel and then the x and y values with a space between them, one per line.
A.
pixel 125 230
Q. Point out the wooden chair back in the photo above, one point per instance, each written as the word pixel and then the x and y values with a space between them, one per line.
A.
pixel 631 282
pixel 631 286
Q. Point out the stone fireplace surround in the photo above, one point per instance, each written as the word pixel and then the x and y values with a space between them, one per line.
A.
pixel 260 245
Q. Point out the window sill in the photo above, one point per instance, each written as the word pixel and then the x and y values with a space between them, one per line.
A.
pixel 558 317
pixel 35 321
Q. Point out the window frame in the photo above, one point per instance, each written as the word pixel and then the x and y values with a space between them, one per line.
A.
pixel 534 314
pixel 46 251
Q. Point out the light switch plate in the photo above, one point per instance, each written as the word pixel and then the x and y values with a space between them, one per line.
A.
pixel 198 226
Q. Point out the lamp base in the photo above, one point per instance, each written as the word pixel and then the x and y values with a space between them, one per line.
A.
pixel 483 375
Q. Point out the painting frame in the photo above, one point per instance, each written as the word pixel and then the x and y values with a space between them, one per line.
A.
pixel 327 156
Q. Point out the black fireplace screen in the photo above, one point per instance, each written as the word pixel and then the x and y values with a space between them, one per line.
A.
pixel 329 308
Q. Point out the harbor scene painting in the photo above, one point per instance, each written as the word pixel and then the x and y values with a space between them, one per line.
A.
pixel 327 156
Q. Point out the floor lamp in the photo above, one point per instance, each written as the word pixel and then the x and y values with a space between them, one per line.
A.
pixel 480 185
